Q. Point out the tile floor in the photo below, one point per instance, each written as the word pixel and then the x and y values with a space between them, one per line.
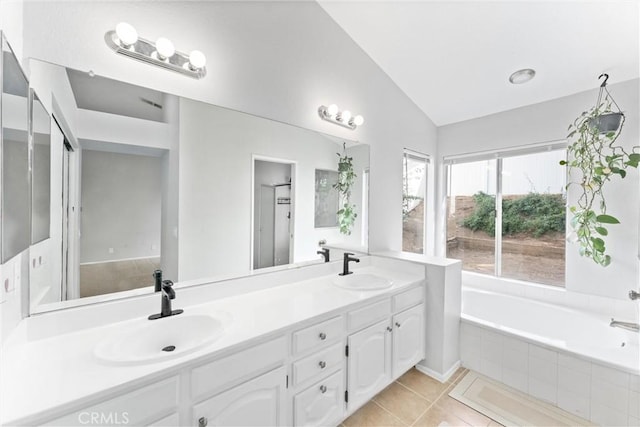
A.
pixel 108 277
pixel 417 400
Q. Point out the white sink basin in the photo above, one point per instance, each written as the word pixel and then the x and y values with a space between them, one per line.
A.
pixel 157 340
pixel 362 282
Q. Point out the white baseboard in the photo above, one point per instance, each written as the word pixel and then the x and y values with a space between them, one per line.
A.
pixel 443 378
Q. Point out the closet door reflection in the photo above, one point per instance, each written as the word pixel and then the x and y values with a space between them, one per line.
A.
pixel 16 193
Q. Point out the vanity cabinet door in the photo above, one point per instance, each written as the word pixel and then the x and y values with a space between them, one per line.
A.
pixel 369 366
pixel 258 402
pixel 408 339
pixel 321 404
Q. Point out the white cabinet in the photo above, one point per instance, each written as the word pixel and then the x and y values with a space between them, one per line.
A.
pixel 408 339
pixel 321 404
pixel 258 402
pixel 369 366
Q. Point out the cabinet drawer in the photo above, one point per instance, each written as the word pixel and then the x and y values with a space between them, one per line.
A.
pixel 321 404
pixel 408 298
pixel 318 363
pixel 317 335
pixel 358 319
pixel 244 364
pixel 139 407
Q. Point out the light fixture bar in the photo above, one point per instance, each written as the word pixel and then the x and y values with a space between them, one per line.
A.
pixel 341 118
pixel 145 51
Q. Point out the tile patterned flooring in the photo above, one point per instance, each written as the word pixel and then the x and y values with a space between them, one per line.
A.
pixel 108 277
pixel 418 400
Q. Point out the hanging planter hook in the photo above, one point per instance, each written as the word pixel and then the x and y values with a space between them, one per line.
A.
pixel 606 77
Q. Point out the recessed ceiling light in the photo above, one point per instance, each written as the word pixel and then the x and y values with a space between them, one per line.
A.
pixel 522 76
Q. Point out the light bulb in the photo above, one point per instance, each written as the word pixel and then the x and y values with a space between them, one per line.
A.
pixel 358 120
pixel 332 110
pixel 126 34
pixel 165 48
pixel 345 116
pixel 197 60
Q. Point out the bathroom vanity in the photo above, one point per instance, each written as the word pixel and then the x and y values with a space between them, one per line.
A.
pixel 294 347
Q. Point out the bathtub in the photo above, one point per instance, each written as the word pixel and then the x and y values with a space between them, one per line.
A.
pixel 577 332
pixel 570 358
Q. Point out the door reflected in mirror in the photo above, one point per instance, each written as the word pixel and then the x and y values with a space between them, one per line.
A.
pixel 15 156
pixel 197 190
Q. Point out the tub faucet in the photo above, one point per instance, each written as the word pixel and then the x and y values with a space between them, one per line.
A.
pixel 634 295
pixel 325 254
pixel 634 327
pixel 167 295
pixel 345 263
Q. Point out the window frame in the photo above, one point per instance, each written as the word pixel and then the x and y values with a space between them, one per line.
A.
pixel 498 156
pixel 409 153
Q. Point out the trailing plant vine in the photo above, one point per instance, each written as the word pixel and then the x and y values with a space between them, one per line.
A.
pixel 595 159
pixel 346 177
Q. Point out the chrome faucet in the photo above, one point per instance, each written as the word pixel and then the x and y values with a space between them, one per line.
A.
pixel 634 295
pixel 345 263
pixel 167 295
pixel 634 327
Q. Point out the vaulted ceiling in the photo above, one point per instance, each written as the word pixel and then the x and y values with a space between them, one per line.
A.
pixel 454 58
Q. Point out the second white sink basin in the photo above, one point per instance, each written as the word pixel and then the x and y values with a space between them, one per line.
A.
pixel 362 282
pixel 152 341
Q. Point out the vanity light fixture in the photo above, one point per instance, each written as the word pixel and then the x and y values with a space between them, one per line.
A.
pixel 125 41
pixel 343 118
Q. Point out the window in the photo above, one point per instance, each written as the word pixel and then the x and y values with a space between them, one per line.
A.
pixel 414 191
pixel 522 195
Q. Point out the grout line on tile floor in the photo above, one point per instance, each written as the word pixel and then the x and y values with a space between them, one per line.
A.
pixel 432 404
pixel 389 412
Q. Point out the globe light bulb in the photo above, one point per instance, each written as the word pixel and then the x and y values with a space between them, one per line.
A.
pixel 358 120
pixel 197 60
pixel 332 110
pixel 345 116
pixel 126 34
pixel 165 48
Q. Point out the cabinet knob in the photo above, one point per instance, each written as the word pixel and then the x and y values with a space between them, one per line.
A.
pixel 322 336
pixel 323 389
pixel 322 364
pixel 397 324
pixel 389 328
pixel 202 422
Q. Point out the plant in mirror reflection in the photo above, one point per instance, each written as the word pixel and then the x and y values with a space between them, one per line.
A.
pixel 594 159
pixel 346 177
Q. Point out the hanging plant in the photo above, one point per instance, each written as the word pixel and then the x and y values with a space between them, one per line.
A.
pixel 595 159
pixel 346 177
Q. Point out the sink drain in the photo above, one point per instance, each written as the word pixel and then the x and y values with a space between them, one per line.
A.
pixel 169 348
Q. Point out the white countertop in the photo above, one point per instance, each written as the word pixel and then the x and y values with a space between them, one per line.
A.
pixel 61 371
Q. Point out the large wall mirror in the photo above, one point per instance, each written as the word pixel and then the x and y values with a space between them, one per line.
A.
pixel 151 181
pixel 16 192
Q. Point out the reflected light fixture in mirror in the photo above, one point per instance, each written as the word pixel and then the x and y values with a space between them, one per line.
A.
pixel 343 118
pixel 125 41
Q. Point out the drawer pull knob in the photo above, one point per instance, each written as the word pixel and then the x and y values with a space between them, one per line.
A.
pixel 389 328
pixel 322 364
pixel 397 324
pixel 202 422
pixel 323 389
pixel 322 336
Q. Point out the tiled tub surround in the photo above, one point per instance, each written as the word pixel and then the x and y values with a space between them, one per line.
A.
pixel 569 358
pixel 48 366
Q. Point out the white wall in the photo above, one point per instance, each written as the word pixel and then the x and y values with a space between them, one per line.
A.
pixel 279 60
pixel 216 150
pixel 121 202
pixel 548 121
pixel 11 23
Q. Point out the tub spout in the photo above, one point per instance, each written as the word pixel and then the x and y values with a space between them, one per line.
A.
pixel 634 327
